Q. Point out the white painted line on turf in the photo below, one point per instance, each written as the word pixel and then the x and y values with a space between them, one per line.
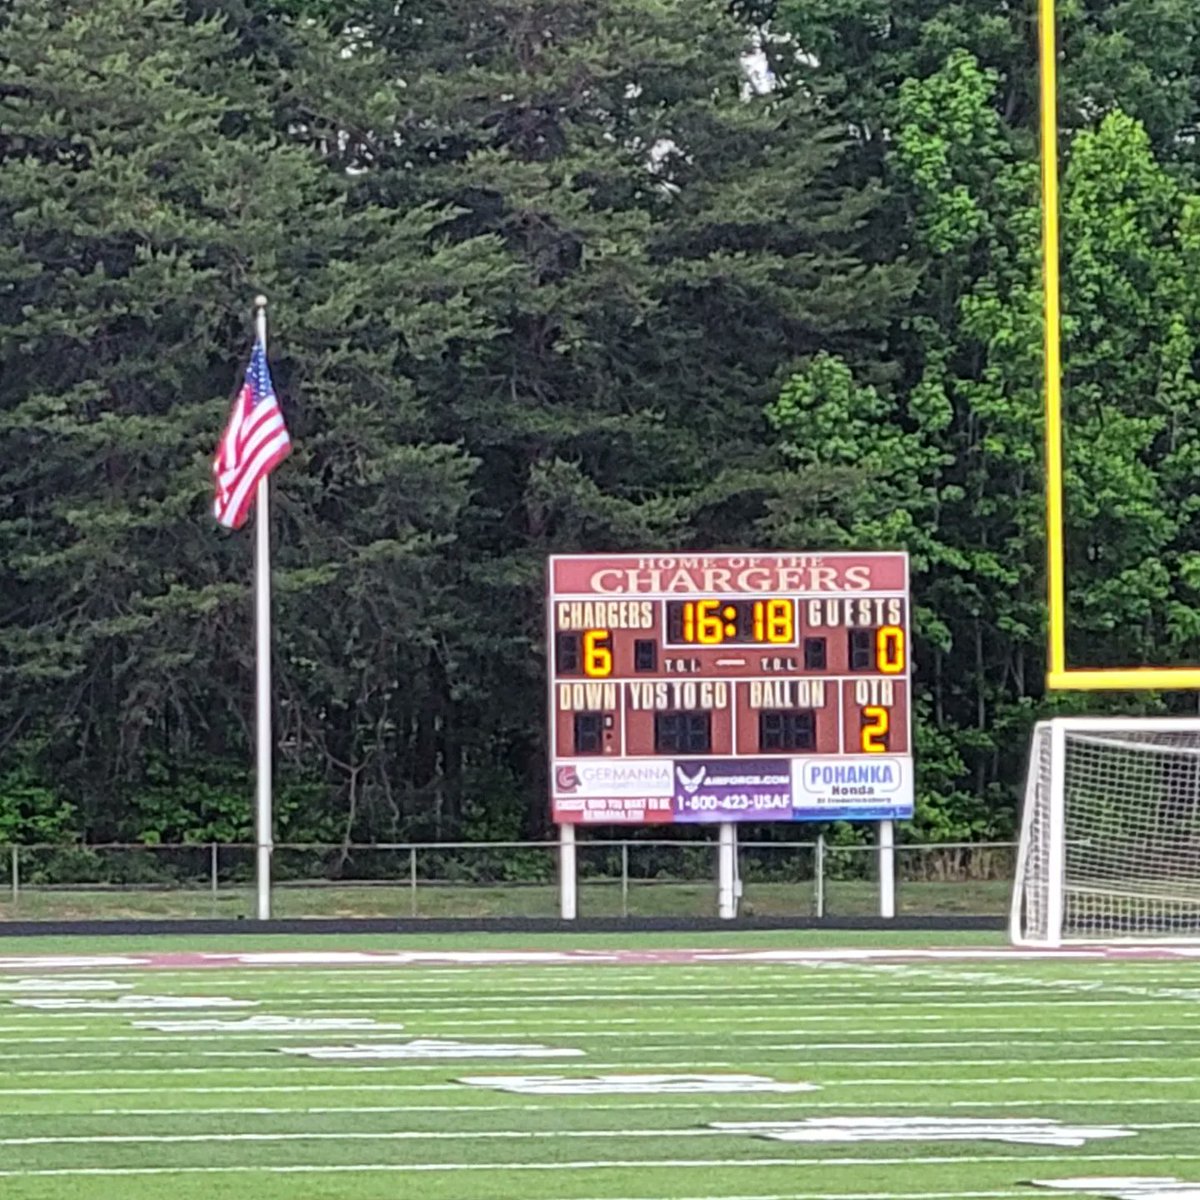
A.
pixel 36 962
pixel 1056 1060
pixel 1126 1188
pixel 667 1164
pixel 1031 1131
pixel 1025 1131
pixel 63 983
pixel 260 1025
pixel 633 1085
pixel 427 1048
pixel 351 1060
pixel 257 1028
pixel 129 1003
pixel 447 1048
pixel 1156 1081
pixel 666 1105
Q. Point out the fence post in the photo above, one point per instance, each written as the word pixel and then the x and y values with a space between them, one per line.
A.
pixel 624 879
pixel 412 881
pixel 819 877
pixel 214 867
pixel 16 876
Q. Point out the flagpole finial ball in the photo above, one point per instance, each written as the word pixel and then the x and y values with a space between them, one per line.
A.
pixel 260 301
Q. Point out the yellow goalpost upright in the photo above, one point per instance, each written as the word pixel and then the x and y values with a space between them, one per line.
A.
pixel 1058 675
pixel 1110 825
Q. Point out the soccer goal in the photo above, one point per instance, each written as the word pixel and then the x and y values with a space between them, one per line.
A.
pixel 1110 835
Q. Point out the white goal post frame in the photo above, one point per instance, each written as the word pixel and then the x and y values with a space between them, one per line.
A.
pixel 1043 841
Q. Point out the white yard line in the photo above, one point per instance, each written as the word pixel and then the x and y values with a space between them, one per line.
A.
pixel 234 1089
pixel 553 1103
pixel 558 1065
pixel 671 1164
pixel 600 1032
pixel 413 1135
pixel 1039 1002
pixel 681 1043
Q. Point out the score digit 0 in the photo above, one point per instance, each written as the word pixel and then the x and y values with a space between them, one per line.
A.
pixel 889 649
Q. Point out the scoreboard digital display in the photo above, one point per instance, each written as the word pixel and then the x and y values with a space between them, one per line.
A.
pixel 729 687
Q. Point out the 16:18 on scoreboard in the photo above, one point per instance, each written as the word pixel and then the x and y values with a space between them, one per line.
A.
pixel 729 687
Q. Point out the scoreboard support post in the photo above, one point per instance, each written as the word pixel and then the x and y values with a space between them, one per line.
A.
pixel 887 869
pixel 568 891
pixel 727 897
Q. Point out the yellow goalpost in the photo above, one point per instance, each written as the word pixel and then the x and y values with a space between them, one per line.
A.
pixel 1058 675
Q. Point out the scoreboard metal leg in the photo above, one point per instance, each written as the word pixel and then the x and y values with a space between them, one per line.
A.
pixel 567 888
pixel 887 870
pixel 727 904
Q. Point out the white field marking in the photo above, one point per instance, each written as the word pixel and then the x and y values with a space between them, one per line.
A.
pixel 257 1025
pixel 355 1135
pixel 383 983
pixel 1089 985
pixel 133 1003
pixel 343 958
pixel 836 1011
pixel 63 983
pixel 1156 1081
pixel 815 955
pixel 1033 1131
pixel 1056 1060
pixel 382 1032
pixel 497 998
pixel 423 1048
pixel 892 977
pixel 671 1105
pixel 1021 1131
pixel 956 1195
pixel 36 962
pixel 54 1021
pixel 1125 1188
pixel 621 1164
pixel 369 1027
pixel 916 984
pixel 518 976
pixel 1126 952
pixel 526 980
pixel 633 1085
pixel 579 1026
pixel 691 1065
pixel 806 986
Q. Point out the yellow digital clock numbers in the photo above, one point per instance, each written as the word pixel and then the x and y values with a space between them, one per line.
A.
pixel 714 622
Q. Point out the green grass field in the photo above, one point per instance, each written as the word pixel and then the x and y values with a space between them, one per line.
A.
pixel 95 1104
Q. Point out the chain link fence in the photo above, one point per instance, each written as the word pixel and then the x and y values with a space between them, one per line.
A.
pixel 617 878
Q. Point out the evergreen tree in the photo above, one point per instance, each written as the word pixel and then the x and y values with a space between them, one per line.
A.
pixel 149 199
pixel 677 241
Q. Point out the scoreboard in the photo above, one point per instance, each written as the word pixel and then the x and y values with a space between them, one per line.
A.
pixel 729 687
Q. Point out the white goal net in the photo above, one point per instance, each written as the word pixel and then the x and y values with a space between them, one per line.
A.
pixel 1110 834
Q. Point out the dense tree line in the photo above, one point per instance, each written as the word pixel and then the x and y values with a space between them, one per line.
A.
pixel 553 275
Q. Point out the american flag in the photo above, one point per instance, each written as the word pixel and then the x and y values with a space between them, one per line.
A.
pixel 255 441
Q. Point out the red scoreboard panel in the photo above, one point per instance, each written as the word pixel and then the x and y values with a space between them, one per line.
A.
pixel 727 687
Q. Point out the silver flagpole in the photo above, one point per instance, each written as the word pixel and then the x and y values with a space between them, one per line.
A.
pixel 263 825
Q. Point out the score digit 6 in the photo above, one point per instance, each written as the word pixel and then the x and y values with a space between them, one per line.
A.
pixel 597 654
